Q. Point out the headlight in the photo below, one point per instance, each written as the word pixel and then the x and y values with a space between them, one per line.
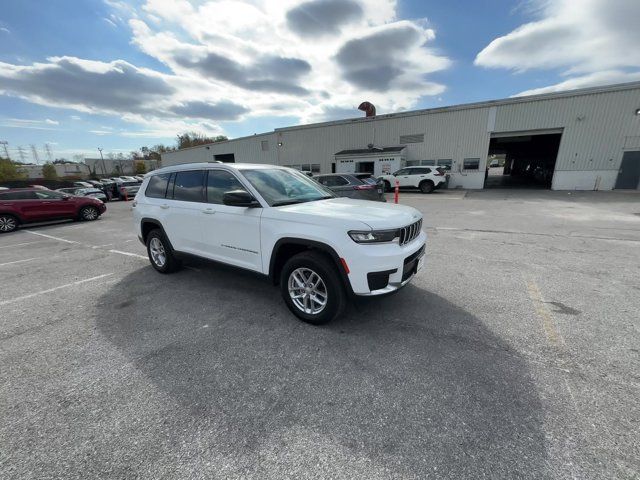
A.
pixel 374 236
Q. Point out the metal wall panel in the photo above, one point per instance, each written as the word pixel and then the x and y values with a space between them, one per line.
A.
pixel 595 126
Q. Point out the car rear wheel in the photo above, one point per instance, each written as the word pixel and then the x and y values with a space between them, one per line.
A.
pixel 311 288
pixel 89 213
pixel 160 254
pixel 426 186
pixel 8 223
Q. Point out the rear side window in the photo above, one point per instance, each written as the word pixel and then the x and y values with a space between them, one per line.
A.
pixel 157 186
pixel 219 182
pixel 421 171
pixel 189 186
pixel 24 195
pixel 334 181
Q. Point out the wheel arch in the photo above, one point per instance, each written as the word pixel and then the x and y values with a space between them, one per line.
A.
pixel 147 224
pixel 14 215
pixel 286 247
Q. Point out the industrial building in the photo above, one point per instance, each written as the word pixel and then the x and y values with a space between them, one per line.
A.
pixel 585 139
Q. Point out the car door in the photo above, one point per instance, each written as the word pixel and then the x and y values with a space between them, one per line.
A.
pixel 231 234
pixel 183 211
pixel 55 204
pixel 403 177
pixel 23 202
pixel 419 174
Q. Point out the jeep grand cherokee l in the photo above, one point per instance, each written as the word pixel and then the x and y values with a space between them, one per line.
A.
pixel 281 223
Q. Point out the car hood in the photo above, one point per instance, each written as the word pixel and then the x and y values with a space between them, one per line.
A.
pixel 376 215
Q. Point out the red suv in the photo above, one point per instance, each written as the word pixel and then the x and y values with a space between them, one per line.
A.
pixel 25 205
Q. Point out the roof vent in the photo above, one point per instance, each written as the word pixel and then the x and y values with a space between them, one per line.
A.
pixel 368 108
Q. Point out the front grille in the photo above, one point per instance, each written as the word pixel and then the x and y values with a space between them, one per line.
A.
pixel 410 232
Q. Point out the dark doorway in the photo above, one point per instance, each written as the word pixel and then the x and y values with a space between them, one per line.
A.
pixel 225 157
pixel 365 167
pixel 629 173
pixel 522 161
pixel 333 167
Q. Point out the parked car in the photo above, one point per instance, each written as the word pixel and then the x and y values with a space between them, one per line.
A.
pixel 95 183
pixel 345 185
pixel 82 184
pixel 26 205
pixel 427 179
pixel 370 179
pixel 140 178
pixel 92 192
pixel 283 224
pixel 128 178
pixel 131 188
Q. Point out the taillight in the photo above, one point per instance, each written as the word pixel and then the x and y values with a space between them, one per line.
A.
pixel 364 187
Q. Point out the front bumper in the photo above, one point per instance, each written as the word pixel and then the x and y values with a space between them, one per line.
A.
pixel 382 269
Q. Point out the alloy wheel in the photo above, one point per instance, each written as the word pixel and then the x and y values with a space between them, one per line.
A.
pixel 307 290
pixel 7 224
pixel 158 254
pixel 90 213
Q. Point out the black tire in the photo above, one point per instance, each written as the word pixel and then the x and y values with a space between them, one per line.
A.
pixel 322 266
pixel 426 186
pixel 89 213
pixel 170 263
pixel 8 223
pixel 387 186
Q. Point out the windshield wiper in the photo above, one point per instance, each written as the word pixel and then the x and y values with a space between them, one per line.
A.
pixel 287 202
pixel 300 200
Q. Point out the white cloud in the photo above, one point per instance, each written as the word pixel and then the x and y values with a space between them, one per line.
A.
pixel 608 77
pixel 589 41
pixel 48 121
pixel 5 30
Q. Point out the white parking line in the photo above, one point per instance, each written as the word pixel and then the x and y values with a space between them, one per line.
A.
pixel 51 237
pixel 129 254
pixel 18 261
pixel 72 284
pixel 21 244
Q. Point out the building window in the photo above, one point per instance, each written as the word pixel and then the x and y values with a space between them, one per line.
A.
pixel 264 144
pixel 429 163
pixel 471 163
pixel 412 138
pixel 445 163
pixel 315 168
pixel 412 163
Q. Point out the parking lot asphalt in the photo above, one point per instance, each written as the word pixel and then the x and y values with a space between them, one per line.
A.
pixel 515 353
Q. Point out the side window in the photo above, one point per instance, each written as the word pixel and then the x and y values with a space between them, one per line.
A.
pixel 157 186
pixel 219 182
pixel 404 171
pixel 421 171
pixel 172 182
pixel 445 163
pixel 335 181
pixel 48 195
pixel 189 186
pixel 471 163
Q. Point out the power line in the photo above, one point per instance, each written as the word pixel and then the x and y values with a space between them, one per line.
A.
pixel 5 144
pixel 47 149
pixel 34 154
pixel 21 153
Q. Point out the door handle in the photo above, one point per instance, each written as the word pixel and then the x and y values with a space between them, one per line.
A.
pixel 209 211
pixel 165 206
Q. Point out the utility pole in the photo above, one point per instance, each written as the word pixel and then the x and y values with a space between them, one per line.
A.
pixel 34 154
pixel 5 144
pixel 21 153
pixel 104 168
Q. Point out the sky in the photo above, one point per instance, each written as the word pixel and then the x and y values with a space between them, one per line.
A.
pixel 78 75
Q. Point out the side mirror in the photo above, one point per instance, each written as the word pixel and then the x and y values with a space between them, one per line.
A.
pixel 239 198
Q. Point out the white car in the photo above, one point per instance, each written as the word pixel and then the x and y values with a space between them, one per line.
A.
pixel 427 179
pixel 283 224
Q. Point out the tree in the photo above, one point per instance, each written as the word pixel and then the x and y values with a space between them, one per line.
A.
pixel 193 139
pixel 10 171
pixel 141 168
pixel 49 171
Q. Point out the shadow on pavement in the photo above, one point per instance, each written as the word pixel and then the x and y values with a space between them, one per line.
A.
pixel 409 385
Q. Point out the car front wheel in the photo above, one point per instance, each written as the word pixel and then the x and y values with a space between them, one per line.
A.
pixel 311 288
pixel 8 223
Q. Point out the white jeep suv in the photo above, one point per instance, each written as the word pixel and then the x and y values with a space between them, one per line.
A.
pixel 427 179
pixel 280 223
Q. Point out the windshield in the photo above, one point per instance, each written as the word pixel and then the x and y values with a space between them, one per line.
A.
pixel 279 186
